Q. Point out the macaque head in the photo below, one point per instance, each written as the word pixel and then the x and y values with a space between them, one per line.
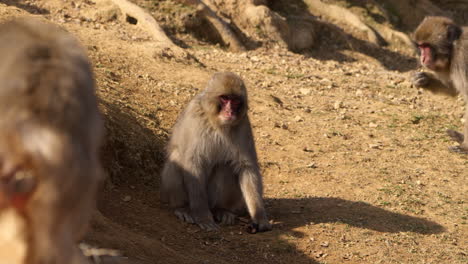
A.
pixel 434 39
pixel 226 99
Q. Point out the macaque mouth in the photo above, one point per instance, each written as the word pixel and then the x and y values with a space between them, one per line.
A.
pixel 230 106
pixel 16 188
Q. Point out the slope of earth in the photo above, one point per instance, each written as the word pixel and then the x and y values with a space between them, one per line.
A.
pixel 355 161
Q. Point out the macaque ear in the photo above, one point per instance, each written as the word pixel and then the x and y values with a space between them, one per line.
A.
pixel 453 32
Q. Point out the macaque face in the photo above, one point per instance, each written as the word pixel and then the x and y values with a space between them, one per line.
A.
pixel 426 55
pixel 430 59
pixel 230 108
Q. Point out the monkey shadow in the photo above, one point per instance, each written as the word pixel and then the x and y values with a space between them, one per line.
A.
pixel 358 214
pixel 28 7
pixel 132 153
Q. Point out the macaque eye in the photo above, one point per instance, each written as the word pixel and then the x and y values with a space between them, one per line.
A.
pixel 23 181
pixel 423 45
pixel 233 99
pixel 224 98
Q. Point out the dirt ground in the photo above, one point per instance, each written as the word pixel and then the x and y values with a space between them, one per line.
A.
pixel 355 161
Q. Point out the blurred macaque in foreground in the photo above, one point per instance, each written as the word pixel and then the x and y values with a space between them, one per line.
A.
pixel 50 133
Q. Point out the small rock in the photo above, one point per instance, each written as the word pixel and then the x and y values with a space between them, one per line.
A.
pixel 305 91
pixel 254 58
pixel 312 165
pixel 338 105
pixel 375 146
pixel 127 198
pixel 325 244
pixel 371 124
pixel 298 119
pixel 276 100
pixel 321 254
pixel 306 149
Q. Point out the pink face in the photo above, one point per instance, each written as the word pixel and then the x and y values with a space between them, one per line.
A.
pixel 230 107
pixel 426 56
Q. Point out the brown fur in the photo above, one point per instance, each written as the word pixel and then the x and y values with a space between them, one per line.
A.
pixel 212 168
pixel 50 129
pixel 449 46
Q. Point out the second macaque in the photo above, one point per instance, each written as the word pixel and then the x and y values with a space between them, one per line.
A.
pixel 443 48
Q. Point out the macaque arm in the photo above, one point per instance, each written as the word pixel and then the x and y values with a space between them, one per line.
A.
pixel 251 187
pixel 430 82
pixel 250 178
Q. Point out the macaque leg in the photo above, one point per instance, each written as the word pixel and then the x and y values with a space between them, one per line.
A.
pixel 173 191
pixel 172 186
pixel 195 184
pixel 225 195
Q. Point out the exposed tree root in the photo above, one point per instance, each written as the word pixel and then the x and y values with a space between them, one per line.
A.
pixel 344 15
pixel 164 47
pixel 228 36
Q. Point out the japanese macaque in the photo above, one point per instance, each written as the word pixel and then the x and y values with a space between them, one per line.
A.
pixel 443 47
pixel 212 173
pixel 50 132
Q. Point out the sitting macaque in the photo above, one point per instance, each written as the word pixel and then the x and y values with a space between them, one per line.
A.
pixel 212 172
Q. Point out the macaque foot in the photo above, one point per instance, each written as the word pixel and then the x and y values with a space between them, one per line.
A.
pixel 459 149
pixel 204 223
pixel 455 135
pixel 224 217
pixel 208 225
pixel 184 215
